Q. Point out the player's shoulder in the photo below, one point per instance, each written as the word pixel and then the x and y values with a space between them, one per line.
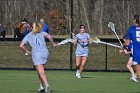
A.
pixel 132 27
pixel 78 34
pixel 42 32
pixel 29 34
pixel 87 34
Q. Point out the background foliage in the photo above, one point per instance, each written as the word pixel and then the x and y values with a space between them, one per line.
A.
pixel 95 14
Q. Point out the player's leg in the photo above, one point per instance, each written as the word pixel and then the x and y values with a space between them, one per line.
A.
pixel 138 70
pixel 42 77
pixel 135 74
pixel 84 59
pixel 78 61
pixel 41 88
pixel 130 68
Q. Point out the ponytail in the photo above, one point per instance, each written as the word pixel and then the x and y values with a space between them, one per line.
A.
pixel 137 20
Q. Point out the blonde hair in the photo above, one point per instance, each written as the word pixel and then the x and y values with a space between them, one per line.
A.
pixel 36 27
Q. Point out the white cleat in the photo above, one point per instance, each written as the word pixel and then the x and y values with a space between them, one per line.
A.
pixel 47 89
pixel 134 79
pixel 78 75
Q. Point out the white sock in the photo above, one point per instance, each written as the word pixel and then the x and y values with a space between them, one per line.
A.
pixel 78 71
pixel 47 85
pixel 41 86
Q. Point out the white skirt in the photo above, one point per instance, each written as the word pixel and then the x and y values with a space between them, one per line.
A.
pixel 40 57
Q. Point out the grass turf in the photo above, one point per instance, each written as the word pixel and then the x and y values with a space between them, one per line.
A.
pixel 12 81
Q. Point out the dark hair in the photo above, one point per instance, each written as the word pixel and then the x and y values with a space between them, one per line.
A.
pixel 125 37
pixel 81 26
pixel 136 17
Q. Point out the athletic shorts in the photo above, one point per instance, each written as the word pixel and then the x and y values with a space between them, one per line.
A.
pixel 40 57
pixel 134 63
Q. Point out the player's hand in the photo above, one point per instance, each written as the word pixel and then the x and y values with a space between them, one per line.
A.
pixel 55 44
pixel 121 51
pixel 125 51
pixel 28 53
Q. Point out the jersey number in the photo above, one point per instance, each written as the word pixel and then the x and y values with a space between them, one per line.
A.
pixel 138 36
pixel 37 42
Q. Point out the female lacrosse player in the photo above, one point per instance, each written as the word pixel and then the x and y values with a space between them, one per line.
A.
pixel 81 52
pixel 134 36
pixel 128 50
pixel 39 53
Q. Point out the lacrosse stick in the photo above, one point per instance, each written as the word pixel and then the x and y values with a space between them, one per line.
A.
pixel 68 40
pixel 111 25
pixel 97 40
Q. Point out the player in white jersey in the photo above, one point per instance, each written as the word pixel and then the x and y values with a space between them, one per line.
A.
pixel 39 53
pixel 82 50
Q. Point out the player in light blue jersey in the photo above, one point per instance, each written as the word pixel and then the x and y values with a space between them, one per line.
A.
pixel 82 50
pixel 134 36
pixel 39 53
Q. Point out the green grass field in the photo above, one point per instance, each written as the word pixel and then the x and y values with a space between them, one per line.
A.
pixel 12 81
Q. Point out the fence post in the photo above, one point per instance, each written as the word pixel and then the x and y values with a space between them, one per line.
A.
pixel 106 58
pixel 71 46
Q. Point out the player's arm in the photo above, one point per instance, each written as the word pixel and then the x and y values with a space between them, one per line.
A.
pixel 88 38
pixel 22 46
pixel 127 42
pixel 50 39
pixel 128 52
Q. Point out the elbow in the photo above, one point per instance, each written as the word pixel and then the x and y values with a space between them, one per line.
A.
pixel 49 37
pixel 21 46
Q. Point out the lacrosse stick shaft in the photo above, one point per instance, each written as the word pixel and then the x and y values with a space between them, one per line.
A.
pixel 118 38
pixel 68 40
pixel 110 44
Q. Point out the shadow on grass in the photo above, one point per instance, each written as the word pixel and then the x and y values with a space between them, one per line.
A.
pixel 87 77
pixel 55 91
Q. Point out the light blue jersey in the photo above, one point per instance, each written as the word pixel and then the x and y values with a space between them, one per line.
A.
pixel 134 35
pixel 82 47
pixel 39 49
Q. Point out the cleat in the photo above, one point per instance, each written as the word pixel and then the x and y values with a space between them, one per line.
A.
pixel 78 75
pixel 134 79
pixel 47 89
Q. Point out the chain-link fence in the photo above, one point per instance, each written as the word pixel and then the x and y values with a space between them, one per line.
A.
pixel 101 57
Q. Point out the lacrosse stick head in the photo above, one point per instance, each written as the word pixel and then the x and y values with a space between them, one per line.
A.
pixel 68 40
pixel 112 26
pixel 94 40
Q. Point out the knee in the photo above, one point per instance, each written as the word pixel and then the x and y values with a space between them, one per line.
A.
pixel 82 65
pixel 128 66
